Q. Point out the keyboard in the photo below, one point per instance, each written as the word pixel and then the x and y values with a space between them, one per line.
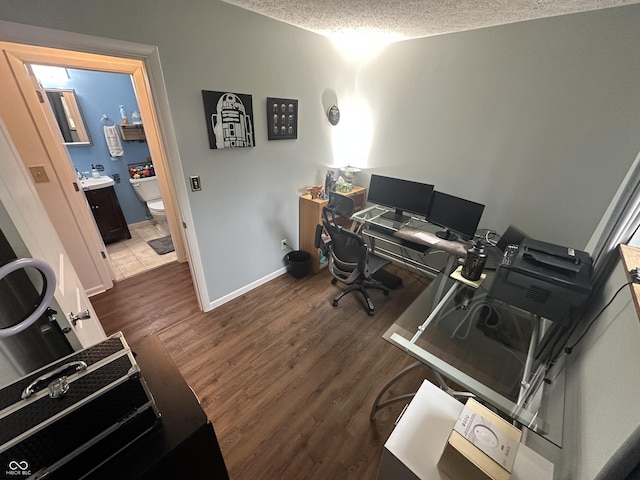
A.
pixel 381 228
pixel 419 247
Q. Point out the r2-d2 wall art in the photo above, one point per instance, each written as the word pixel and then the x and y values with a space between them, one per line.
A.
pixel 229 119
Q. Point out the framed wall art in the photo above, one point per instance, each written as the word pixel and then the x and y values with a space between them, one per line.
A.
pixel 282 118
pixel 229 119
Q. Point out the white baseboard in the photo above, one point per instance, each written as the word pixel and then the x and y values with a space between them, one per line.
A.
pixel 245 289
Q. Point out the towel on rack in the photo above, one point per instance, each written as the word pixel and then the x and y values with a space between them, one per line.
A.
pixel 113 141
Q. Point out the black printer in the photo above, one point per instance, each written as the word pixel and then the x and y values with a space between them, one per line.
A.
pixel 543 278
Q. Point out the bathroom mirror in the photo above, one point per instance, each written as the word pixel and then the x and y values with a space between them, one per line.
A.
pixel 67 112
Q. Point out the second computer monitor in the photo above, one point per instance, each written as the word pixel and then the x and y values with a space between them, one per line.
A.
pixel 402 195
pixel 456 215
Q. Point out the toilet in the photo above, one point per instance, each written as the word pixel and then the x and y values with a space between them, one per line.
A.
pixel 148 191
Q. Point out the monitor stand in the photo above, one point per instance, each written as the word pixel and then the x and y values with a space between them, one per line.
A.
pixel 447 235
pixel 396 216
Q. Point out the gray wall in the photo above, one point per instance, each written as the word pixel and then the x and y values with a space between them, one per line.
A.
pixel 249 200
pixel 538 120
pixel 602 391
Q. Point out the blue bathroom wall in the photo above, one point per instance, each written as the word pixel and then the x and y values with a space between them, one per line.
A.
pixel 98 94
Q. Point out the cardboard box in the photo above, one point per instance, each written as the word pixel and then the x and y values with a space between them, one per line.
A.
pixel 482 446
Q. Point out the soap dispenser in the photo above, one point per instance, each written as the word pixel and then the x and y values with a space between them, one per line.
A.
pixel 94 172
pixel 123 115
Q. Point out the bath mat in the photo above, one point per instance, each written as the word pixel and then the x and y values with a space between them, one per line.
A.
pixel 162 245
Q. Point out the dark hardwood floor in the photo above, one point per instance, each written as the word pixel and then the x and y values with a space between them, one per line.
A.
pixel 287 379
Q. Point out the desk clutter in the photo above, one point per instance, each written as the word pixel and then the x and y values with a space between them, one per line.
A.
pixel 457 275
pixel 542 278
pixel 421 439
pixel 481 446
pixel 410 221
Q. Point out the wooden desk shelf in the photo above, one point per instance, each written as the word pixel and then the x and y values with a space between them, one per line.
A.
pixel 310 212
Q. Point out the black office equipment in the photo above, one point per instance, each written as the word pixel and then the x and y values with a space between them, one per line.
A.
pixel 402 195
pixel 544 279
pixel 456 215
pixel 350 260
pixel 382 229
pixel 511 236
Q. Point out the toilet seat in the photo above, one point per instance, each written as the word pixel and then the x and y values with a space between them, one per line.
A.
pixel 156 206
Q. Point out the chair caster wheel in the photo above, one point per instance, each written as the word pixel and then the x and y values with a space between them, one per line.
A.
pixel 334 281
pixel 370 307
pixel 386 293
pixel 335 303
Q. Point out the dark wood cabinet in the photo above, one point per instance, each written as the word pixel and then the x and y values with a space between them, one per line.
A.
pixel 108 214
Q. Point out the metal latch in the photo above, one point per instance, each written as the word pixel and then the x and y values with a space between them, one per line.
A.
pixel 58 387
pixel 80 316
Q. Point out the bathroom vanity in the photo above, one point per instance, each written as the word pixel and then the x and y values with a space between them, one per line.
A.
pixel 106 209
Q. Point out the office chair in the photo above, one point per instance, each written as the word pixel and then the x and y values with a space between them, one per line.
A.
pixel 350 260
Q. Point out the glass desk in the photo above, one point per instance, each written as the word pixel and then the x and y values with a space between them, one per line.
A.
pixel 489 348
pixel 427 256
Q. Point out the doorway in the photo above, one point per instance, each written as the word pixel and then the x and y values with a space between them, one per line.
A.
pixel 95 99
pixel 31 111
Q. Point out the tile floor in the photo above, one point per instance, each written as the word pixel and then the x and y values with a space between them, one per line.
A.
pixel 133 256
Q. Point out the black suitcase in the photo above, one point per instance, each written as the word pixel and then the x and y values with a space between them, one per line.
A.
pixel 67 418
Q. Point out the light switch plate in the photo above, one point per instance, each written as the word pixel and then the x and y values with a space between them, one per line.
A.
pixel 39 174
pixel 195 183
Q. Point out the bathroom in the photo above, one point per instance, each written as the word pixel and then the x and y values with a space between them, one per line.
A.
pixel 99 96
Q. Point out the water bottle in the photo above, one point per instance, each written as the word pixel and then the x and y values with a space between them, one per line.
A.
pixel 475 261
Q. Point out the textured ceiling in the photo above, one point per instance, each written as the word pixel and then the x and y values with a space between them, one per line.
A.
pixel 404 19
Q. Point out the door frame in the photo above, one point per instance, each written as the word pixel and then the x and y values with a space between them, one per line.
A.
pixel 142 62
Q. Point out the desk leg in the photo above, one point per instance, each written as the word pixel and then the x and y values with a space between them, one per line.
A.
pixel 377 405
pixel 435 311
pixel 451 264
pixel 535 336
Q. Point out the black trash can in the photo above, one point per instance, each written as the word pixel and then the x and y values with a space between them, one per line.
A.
pixel 298 263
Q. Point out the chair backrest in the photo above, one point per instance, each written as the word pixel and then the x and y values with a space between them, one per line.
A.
pixel 338 205
pixel 345 244
pixel 348 254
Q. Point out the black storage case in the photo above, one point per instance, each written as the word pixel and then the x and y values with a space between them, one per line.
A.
pixel 546 279
pixel 67 418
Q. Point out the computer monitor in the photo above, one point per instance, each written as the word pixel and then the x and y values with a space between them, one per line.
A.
pixel 401 195
pixel 458 217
